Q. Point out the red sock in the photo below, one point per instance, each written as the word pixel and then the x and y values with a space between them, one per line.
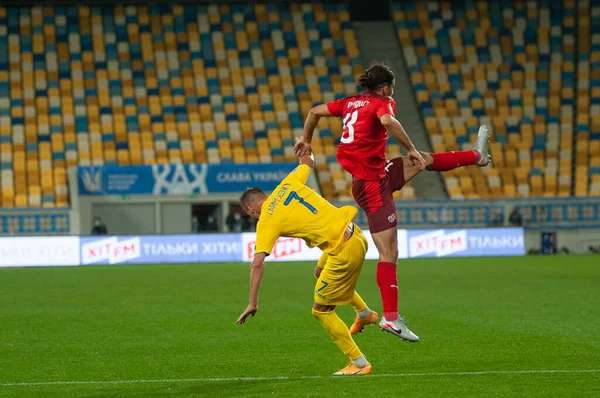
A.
pixel 446 161
pixel 388 287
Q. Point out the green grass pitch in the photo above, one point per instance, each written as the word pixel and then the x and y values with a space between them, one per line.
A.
pixel 488 327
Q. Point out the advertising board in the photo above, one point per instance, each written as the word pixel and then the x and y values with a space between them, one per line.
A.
pixel 466 242
pixel 39 251
pixel 216 248
pixel 161 249
pixel 294 249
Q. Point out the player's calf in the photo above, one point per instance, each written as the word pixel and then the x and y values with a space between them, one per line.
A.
pixel 411 170
pixel 478 156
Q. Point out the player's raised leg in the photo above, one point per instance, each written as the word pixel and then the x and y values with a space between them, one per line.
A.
pixel 441 161
pixel 478 156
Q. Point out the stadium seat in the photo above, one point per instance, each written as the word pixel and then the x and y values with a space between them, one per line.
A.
pixel 164 84
pixel 512 66
pixel 150 84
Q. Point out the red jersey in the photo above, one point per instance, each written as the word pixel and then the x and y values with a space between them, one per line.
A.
pixel 362 147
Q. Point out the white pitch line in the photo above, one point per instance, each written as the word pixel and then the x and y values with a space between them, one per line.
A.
pixel 290 378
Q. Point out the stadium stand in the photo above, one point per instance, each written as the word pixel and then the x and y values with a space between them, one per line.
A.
pixel 526 69
pixel 166 84
pixel 232 83
pixel 587 168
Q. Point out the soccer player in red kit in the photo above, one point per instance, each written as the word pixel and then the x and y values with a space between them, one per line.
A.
pixel 367 120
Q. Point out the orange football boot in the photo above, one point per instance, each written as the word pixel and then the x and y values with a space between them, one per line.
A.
pixel 352 370
pixel 359 324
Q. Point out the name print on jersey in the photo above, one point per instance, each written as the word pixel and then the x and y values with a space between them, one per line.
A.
pixel 357 104
pixel 280 194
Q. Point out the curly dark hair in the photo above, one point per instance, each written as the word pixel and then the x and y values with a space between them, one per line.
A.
pixel 377 76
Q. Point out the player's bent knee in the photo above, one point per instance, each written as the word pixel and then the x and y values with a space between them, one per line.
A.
pixel 428 160
pixel 322 308
pixel 387 245
pixel 389 257
pixel 389 254
pixel 410 170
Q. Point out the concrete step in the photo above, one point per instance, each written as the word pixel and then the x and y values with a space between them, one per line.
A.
pixel 377 41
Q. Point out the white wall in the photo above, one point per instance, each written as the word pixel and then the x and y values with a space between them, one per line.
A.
pixel 576 240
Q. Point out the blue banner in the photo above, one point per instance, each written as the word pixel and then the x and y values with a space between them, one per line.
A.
pixel 466 242
pixel 157 249
pixel 180 179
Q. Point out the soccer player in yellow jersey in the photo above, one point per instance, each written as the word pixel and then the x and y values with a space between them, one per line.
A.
pixel 293 209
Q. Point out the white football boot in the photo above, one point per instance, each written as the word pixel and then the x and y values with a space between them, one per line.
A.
pixel 482 146
pixel 398 328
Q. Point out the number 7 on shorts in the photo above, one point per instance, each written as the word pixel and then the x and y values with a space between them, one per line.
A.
pixel 325 284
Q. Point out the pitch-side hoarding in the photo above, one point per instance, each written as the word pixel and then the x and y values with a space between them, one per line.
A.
pixel 215 248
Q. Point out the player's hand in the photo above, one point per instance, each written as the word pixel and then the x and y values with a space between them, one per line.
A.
pixel 416 157
pixel 250 310
pixel 302 147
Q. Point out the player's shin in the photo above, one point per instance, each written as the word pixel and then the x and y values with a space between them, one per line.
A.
pixel 360 307
pixel 388 287
pixel 446 161
pixel 364 315
pixel 340 334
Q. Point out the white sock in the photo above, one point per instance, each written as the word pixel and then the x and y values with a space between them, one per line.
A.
pixel 361 361
pixel 364 313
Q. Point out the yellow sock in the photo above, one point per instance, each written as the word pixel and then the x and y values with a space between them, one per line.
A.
pixel 339 332
pixel 358 303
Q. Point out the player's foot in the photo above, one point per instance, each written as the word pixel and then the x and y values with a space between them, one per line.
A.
pixel 359 324
pixel 398 328
pixel 352 369
pixel 482 146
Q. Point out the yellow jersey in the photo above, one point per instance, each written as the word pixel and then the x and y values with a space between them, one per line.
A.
pixel 293 209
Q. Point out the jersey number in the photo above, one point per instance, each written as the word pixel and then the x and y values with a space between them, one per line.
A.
pixel 293 195
pixel 348 123
pixel 325 284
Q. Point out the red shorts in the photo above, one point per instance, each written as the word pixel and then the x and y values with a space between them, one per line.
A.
pixel 375 197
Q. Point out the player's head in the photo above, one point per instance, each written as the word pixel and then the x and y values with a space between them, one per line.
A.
pixel 379 78
pixel 252 200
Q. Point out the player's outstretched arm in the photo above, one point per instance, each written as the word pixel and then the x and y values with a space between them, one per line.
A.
pixel 395 129
pixel 314 115
pixel 256 274
pixel 308 160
